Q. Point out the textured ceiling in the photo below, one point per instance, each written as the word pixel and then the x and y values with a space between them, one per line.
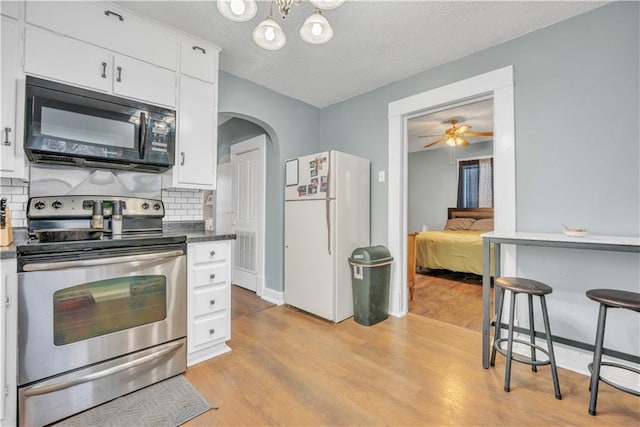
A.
pixel 375 42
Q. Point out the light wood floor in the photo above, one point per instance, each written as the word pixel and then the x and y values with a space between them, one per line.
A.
pixel 457 302
pixel 289 368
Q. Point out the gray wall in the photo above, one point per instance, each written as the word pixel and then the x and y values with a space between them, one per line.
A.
pixel 432 183
pixel 577 151
pixel 292 127
pixel 234 131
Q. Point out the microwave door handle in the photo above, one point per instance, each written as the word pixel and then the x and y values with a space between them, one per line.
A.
pixel 143 134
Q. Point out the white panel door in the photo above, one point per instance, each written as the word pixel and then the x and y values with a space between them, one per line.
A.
pixel 247 177
pixel 224 200
pixel 308 266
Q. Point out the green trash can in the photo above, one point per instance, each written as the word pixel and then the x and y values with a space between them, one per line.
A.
pixel 370 275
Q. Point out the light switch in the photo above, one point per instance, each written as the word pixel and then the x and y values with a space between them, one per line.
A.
pixel 380 176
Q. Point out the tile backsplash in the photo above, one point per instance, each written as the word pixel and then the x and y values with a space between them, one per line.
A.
pixel 17 193
pixel 182 205
pixel 179 204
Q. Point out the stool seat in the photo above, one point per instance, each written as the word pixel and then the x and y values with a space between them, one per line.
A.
pixel 616 298
pixel 524 286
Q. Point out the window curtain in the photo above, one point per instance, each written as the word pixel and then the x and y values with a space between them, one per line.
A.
pixel 475 183
pixel 485 183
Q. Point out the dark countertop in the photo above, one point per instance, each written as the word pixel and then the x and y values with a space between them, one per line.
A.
pixel 193 231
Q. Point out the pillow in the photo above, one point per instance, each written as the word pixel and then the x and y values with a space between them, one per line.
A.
pixel 483 225
pixel 459 223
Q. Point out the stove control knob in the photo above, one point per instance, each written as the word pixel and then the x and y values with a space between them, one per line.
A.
pixel 39 205
pixel 56 205
pixel 156 206
pixel 145 205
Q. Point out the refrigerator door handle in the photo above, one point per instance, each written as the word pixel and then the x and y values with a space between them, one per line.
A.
pixel 328 203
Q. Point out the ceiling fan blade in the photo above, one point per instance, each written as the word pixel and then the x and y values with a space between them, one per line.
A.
pixel 428 136
pixel 462 129
pixel 478 134
pixel 434 143
pixel 464 142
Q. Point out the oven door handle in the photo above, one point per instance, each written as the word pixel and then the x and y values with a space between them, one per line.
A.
pixel 41 266
pixel 61 385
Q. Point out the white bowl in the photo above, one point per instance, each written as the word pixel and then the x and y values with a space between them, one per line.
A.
pixel 574 231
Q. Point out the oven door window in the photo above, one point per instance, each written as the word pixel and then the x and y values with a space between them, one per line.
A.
pixel 106 306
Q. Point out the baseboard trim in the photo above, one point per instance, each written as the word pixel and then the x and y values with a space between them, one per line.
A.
pixel 272 296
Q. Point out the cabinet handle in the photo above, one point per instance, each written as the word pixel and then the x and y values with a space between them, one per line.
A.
pixel 182 158
pixel 212 331
pixel 204 52
pixel 212 302
pixel 108 12
pixel 119 78
pixel 212 276
pixel 6 136
pixel 104 70
pixel 212 253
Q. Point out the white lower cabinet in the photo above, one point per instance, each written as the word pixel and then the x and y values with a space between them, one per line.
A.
pixel 209 304
pixel 8 335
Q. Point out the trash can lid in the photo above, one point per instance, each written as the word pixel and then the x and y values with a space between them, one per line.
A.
pixel 370 255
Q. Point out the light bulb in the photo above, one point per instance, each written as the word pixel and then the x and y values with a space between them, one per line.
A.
pixel 316 29
pixel 237 7
pixel 269 34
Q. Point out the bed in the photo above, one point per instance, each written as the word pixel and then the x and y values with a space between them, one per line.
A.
pixel 459 246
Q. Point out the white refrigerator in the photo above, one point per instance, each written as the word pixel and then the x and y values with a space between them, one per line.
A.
pixel 326 217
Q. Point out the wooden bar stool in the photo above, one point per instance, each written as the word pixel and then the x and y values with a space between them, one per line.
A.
pixel 608 298
pixel 518 285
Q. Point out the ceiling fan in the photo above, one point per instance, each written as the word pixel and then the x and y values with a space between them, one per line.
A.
pixel 455 135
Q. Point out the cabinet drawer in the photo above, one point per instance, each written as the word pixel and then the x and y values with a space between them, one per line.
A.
pixel 209 274
pixel 198 60
pixel 209 329
pixel 209 300
pixel 212 252
pixel 108 27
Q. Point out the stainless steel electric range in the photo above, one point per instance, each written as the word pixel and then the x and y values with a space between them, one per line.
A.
pixel 98 317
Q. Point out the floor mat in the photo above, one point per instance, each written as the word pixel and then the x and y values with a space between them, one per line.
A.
pixel 170 403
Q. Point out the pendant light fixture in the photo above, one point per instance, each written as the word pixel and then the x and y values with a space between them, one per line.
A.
pixel 268 34
pixel 238 10
pixel 316 29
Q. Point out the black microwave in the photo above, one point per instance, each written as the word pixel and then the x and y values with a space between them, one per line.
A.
pixel 74 126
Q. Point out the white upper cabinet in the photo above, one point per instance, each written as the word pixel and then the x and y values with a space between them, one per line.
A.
pixel 62 58
pixel 11 150
pixel 139 80
pixel 197 135
pixel 103 25
pixel 199 60
pixel 67 60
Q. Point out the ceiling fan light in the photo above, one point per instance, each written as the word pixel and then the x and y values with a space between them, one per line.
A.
pixel 327 4
pixel 237 10
pixel 316 29
pixel 268 35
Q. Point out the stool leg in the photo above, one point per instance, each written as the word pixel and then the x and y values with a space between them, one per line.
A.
pixel 552 358
pixel 497 333
pixel 597 359
pixel 532 334
pixel 507 373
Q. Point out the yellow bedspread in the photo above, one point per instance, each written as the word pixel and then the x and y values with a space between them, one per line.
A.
pixel 451 250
